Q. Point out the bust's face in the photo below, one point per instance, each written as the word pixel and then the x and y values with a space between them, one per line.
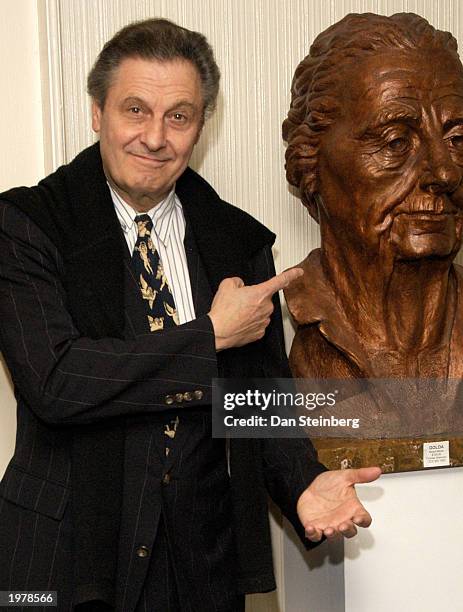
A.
pixel 390 167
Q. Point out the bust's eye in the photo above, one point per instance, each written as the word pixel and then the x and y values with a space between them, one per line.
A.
pixel 398 145
pixel 457 142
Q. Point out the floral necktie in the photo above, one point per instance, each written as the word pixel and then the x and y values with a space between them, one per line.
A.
pixel 155 291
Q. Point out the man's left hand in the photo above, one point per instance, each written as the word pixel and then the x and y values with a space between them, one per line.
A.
pixel 330 506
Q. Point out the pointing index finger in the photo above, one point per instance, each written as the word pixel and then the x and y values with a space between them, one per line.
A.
pixel 280 281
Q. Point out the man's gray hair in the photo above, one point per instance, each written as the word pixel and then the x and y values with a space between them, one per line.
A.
pixel 155 39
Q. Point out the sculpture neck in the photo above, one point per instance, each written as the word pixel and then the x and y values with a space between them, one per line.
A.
pixel 395 305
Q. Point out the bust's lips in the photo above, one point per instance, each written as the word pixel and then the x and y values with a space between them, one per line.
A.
pixel 426 206
pixel 426 222
pixel 428 214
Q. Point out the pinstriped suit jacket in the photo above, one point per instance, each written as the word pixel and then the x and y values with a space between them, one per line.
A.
pixel 62 379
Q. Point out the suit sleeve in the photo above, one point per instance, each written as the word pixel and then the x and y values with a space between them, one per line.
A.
pixel 289 465
pixel 67 379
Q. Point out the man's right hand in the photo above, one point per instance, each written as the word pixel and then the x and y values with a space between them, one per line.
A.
pixel 240 314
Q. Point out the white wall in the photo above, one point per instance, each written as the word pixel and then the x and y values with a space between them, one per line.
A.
pixel 21 151
pixel 410 561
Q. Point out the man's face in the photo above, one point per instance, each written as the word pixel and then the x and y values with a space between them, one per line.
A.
pixel 151 120
pixel 390 167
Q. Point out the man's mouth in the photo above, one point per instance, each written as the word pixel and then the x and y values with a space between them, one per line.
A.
pixel 150 158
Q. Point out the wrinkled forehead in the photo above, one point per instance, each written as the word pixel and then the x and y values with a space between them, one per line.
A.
pixel 416 79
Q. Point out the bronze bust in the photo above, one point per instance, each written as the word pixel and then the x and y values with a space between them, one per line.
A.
pixel 375 148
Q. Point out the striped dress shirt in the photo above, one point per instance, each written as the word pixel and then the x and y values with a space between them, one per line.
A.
pixel 169 233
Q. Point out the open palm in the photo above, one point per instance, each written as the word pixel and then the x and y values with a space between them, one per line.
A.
pixel 330 506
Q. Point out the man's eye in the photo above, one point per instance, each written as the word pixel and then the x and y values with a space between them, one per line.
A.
pixel 135 110
pixel 398 145
pixel 179 117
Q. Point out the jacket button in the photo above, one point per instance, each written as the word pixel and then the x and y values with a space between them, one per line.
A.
pixel 188 396
pixel 179 397
pixel 142 552
pixel 166 478
pixel 198 394
pixel 169 399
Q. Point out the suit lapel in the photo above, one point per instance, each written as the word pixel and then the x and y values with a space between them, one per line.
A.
pixel 200 287
pixel 96 243
pixel 225 236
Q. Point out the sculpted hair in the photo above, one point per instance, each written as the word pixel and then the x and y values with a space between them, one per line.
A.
pixel 155 39
pixel 316 91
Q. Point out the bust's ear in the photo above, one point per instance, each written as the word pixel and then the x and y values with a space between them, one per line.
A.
pixel 313 202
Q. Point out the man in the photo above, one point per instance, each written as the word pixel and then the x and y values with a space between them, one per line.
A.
pixel 125 290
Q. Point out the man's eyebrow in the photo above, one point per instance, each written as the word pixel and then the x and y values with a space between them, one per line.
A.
pixel 133 100
pixel 182 104
pixel 176 104
pixel 187 104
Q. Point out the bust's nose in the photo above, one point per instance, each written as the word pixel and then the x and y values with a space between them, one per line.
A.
pixel 441 174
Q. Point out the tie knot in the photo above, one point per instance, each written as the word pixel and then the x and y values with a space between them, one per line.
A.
pixel 144 225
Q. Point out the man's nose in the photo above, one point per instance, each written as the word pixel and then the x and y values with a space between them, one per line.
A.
pixel 441 174
pixel 154 134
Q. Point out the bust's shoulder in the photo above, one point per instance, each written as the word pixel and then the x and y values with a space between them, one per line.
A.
pixel 303 294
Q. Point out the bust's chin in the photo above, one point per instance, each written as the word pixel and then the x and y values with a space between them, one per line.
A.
pixel 417 236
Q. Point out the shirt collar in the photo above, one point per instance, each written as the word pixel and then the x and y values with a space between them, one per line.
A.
pixel 161 214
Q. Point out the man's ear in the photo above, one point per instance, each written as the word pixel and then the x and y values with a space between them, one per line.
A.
pixel 200 129
pixel 96 116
